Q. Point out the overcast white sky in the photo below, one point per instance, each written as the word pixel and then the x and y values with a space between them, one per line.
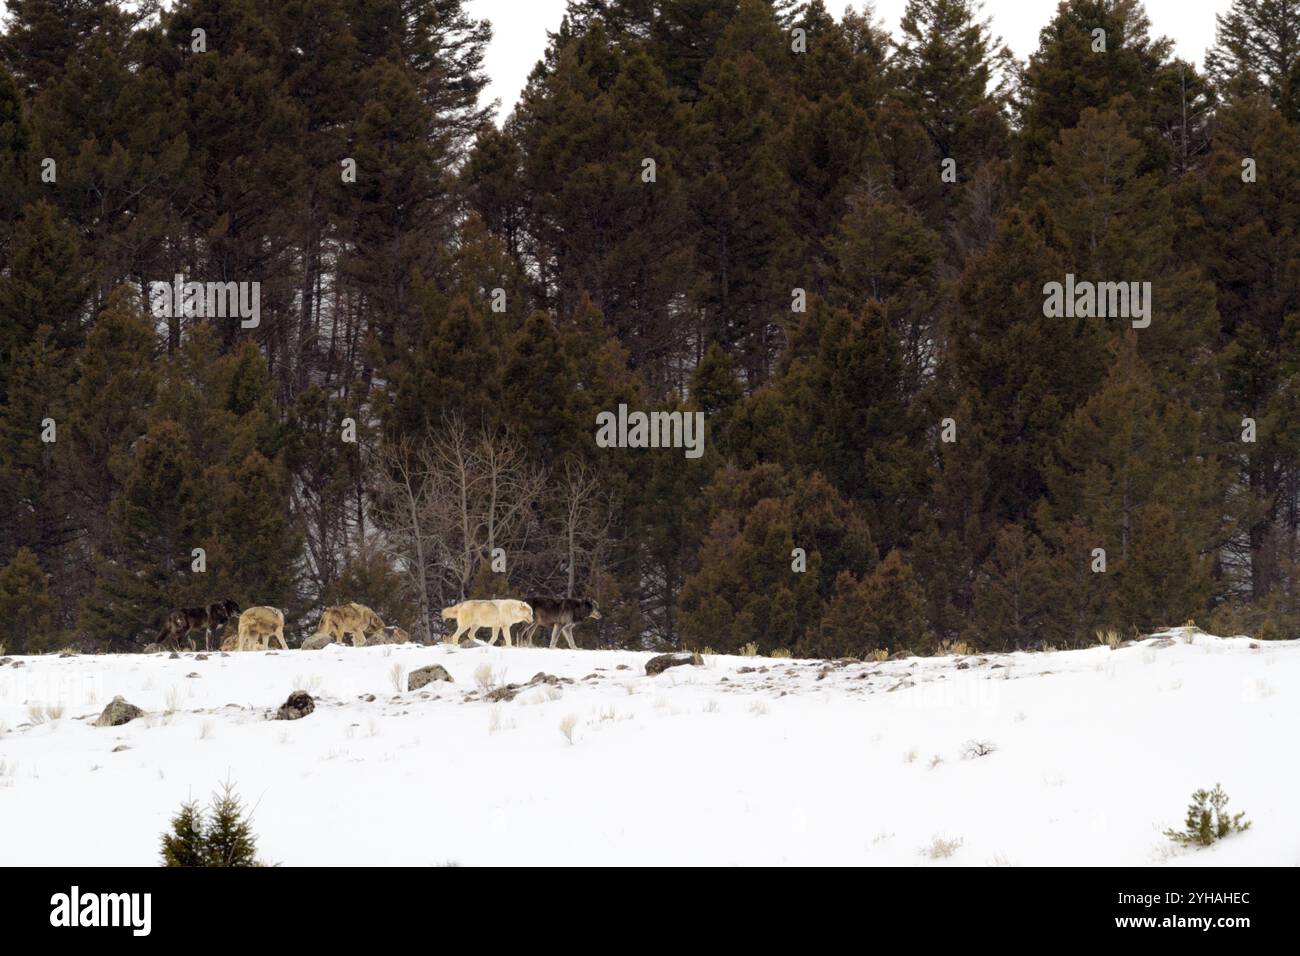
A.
pixel 519 28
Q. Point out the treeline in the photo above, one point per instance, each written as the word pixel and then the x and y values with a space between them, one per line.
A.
pixel 832 242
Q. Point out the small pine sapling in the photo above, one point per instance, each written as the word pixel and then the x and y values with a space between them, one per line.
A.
pixel 1208 819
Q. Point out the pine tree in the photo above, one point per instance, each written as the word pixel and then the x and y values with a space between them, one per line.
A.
pixel 955 77
pixel 1065 75
pixel 222 837
pixel 46 284
pixel 26 605
pixel 746 249
pixel 1011 592
pixel 32 492
pixel 161 514
pixel 183 846
pixel 16 141
pixel 1257 50
pixel 1244 238
pixel 883 611
pixel 746 587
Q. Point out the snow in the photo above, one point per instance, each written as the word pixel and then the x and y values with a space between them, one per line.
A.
pixel 1096 753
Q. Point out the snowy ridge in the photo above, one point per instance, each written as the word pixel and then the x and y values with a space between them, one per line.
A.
pixel 1093 753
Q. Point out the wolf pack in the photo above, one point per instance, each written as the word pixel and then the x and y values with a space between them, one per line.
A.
pixel 258 626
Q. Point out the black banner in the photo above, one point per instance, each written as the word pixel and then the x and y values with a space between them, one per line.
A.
pixel 267 906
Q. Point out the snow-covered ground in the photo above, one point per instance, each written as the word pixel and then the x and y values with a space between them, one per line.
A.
pixel 741 761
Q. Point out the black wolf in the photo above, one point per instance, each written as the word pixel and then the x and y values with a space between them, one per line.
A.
pixel 563 614
pixel 183 620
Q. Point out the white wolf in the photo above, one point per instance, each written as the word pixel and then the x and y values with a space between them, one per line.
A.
pixel 498 616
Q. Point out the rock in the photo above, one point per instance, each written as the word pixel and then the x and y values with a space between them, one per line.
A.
pixel 901 685
pixel 499 695
pixel 20 664
pixel 963 665
pixel 657 665
pixel 119 711
pixel 152 649
pixel 173 656
pixel 543 678
pixel 470 642
pixel 316 642
pixel 6 660
pixel 192 674
pixel 200 657
pixel 119 748
pixel 622 667
pixel 67 654
pixel 746 670
pixel 389 635
pixel 368 698
pixel 1164 642
pixel 299 705
pixel 427 675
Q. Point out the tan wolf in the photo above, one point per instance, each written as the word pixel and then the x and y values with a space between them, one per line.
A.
pixel 257 626
pixel 355 619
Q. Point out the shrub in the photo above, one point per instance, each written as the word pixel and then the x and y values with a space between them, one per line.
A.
pixel 749 650
pixel 782 653
pixel 567 725
pixel 224 837
pixel 485 677
pixel 941 848
pixel 977 748
pixel 1208 820
pixel 879 655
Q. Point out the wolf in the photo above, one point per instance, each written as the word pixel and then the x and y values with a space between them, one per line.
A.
pixel 562 614
pixel 182 621
pixel 355 619
pixel 258 625
pixel 497 615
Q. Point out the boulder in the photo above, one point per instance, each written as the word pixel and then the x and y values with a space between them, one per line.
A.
pixel 119 711
pixel 389 635
pixel 541 677
pixel 299 705
pixel 427 675
pixel 657 665
pixel 316 642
